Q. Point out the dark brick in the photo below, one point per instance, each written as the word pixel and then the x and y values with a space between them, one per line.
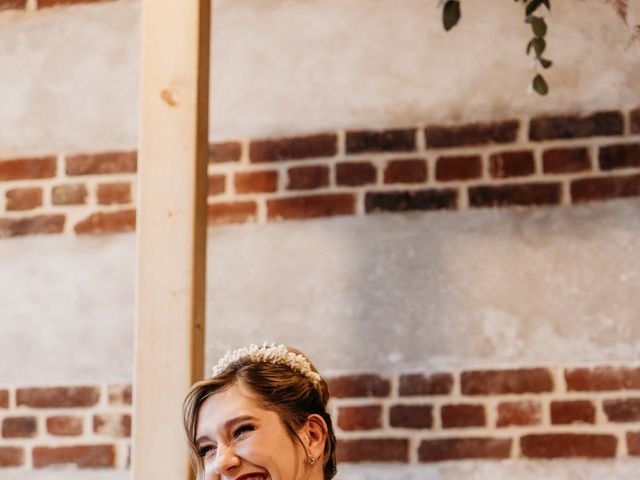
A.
pixel 462 416
pixel 575 126
pixel 572 411
pixel 498 382
pixel 604 188
pixel 308 177
pixel 401 201
pixel 69 194
pixel 523 194
pixel 311 206
pixel 114 193
pixel 19 427
pixel 566 445
pixel 373 450
pixel 458 168
pixel 121 221
pixel 27 168
pixel 519 413
pixel 419 384
pixel 366 385
pixel 64 426
pixel 54 3
pixel 619 156
pixel 23 198
pixel 102 163
pixel 367 417
pixel 231 212
pixel 82 456
pixel 634 120
pixel 264 181
pixel 566 160
pixel 37 225
pixel 511 164
pixel 472 134
pixel 11 457
pixel 405 171
pixel 216 185
pixel 354 174
pixel 322 145
pixel 4 398
pixel 223 152
pixel 622 410
pixel 443 449
pixel 381 141
pixel 120 394
pixel 633 443
pixel 411 416
pixel 602 379
pixel 8 5
pixel 57 397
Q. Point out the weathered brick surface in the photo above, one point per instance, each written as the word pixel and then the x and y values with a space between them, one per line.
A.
pixel 633 443
pixel 64 425
pixel 399 140
pixel 572 411
pixel 110 193
pixel 366 385
pixel 69 194
pixel 37 225
pixel 622 410
pixel 411 416
pixel 101 163
pixel 458 168
pixel 519 413
pixel 311 146
pixel 12 4
pixel 112 425
pixel 256 182
pixel 405 171
pixel 566 445
pixel 496 382
pixel 353 174
pixel 55 3
pixel 566 160
pixel 107 222
pixel 472 134
pixel 223 152
pixel 19 427
pixel 603 188
pixel 27 168
pixel 373 450
pixel 24 198
pixel 634 120
pixel 419 384
pixel 524 194
pixel 574 126
pixel 601 379
pixel 119 394
pixel 442 449
pixel 366 417
pixel 11 457
pixel 511 164
pixel 311 206
pixel 57 397
pixel 462 416
pixel 619 156
pixel 82 456
pixel 216 185
pixel 231 212
pixel 308 177
pixel 402 201
pixel 4 398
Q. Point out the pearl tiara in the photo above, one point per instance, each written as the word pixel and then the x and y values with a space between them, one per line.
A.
pixel 269 353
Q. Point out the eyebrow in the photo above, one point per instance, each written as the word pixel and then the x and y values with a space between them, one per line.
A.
pixel 228 424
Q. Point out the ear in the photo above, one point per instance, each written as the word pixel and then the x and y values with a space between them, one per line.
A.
pixel 315 435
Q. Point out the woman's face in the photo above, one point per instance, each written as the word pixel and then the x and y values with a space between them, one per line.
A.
pixel 240 440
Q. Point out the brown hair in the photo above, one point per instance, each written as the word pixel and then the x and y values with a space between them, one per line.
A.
pixel 279 388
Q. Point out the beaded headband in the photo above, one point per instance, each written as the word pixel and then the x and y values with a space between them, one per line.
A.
pixel 269 353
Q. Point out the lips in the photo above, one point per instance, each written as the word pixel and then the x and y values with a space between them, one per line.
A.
pixel 252 476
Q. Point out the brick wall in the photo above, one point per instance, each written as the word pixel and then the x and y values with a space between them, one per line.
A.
pixel 535 412
pixel 524 162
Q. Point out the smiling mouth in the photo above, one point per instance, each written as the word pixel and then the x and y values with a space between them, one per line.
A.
pixel 253 476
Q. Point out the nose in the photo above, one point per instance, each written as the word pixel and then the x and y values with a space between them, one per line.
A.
pixel 225 461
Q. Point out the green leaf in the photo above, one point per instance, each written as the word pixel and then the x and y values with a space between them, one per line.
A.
pixel 544 62
pixel 539 85
pixel 451 14
pixel 539 26
pixel 532 6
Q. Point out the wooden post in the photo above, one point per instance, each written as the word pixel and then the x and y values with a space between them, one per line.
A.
pixel 171 229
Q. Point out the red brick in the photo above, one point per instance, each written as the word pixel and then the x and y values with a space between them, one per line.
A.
pixel 566 445
pixel 7 5
pixel 566 160
pixel 419 384
pixel 223 152
pixel 292 148
pixel 57 397
pixel 55 3
pixel 107 222
pixel 575 126
pixel 398 140
pixel 496 382
pixel 216 185
pixel 471 134
pixel 373 450
pixel 519 413
pixel 40 224
pixel 24 198
pixel 311 206
pixel 353 174
pixel 405 171
pixel 64 426
pixel 265 181
pixel 572 411
pixel 19 427
pixel 4 398
pixel 602 379
pixel 511 164
pixel 443 449
pixel 69 195
pixel 11 457
pixel 462 416
pixel 403 201
pixel 27 168
pixel 458 168
pixel 411 416
pixel 119 394
pixel 619 156
pixel 231 212
pixel 622 410
pixel 603 188
pixel 367 417
pixel 366 385
pixel 82 456
pixel 308 178
pixel 113 425
pixel 633 443
pixel 523 194
pixel 101 163
pixel 110 193
pixel 634 120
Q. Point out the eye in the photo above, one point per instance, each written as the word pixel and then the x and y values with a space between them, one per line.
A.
pixel 204 450
pixel 243 429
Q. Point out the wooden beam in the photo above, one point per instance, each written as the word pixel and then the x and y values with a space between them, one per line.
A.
pixel 171 229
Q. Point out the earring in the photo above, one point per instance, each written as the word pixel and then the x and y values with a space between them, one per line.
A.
pixel 311 460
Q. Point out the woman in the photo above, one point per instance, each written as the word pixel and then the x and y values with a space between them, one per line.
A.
pixel 262 415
